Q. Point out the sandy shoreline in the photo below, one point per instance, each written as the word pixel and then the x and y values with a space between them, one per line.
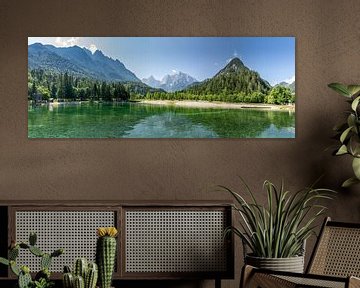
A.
pixel 200 104
pixel 224 105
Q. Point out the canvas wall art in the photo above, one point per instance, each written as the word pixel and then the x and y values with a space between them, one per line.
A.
pixel 161 87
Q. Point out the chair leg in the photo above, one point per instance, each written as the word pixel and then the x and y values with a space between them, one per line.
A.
pixel 217 283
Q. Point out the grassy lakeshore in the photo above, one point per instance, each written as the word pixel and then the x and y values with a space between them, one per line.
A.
pixel 223 105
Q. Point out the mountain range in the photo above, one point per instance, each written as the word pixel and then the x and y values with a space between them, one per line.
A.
pixel 79 62
pixel 171 82
pixel 291 85
pixel 235 77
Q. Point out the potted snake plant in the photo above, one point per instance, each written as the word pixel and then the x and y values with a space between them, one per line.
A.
pixel 274 234
pixel 348 132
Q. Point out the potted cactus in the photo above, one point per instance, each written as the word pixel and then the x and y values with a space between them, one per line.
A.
pixel 106 254
pixel 85 275
pixel 42 278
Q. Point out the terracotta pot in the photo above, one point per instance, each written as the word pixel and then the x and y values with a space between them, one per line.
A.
pixel 291 264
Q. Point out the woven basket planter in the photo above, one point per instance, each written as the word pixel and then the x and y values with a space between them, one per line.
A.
pixel 291 264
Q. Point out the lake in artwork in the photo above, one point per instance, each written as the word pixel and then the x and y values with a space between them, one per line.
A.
pixel 134 120
pixel 161 87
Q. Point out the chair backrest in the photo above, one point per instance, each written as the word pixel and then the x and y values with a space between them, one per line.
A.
pixel 337 251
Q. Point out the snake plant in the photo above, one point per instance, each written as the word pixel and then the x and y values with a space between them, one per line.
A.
pixel 279 228
pixel 349 131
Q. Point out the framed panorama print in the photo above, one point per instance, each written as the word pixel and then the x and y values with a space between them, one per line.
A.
pixel 161 87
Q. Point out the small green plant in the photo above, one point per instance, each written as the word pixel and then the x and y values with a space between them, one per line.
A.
pixel 279 229
pixel 349 131
pixel 85 275
pixel 43 283
pixel 42 278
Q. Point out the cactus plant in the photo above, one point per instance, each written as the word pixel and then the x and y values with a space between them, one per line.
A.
pixel 84 274
pixel 68 280
pixel 42 278
pixel 105 254
pixel 24 277
pixel 67 269
pixel 43 274
pixel 91 276
pixel 32 238
pixel 45 261
pixel 79 282
pixel 4 261
pixel 36 251
pixel 14 268
pixel 80 267
pixel 13 253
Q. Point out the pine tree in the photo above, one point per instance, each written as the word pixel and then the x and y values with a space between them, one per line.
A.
pixel 33 91
pixel 61 89
pixel 53 90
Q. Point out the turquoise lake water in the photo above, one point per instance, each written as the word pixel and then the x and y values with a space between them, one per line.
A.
pixel 135 120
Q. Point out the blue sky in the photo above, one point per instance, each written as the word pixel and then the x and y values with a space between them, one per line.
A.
pixel 200 57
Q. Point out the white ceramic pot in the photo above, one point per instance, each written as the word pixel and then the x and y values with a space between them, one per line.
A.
pixel 291 264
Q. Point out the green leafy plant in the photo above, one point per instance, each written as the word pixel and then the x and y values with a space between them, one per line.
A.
pixel 43 283
pixel 42 278
pixel 279 229
pixel 349 131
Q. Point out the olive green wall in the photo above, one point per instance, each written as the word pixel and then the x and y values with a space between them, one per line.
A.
pixel 327 49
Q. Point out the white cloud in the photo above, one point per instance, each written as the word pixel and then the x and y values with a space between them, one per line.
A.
pixel 289 80
pixel 174 71
pixel 234 55
pixel 93 48
pixel 72 41
pixel 67 41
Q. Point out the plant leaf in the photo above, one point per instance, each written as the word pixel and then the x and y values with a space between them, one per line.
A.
pixel 4 261
pixel 354 143
pixel 342 150
pixel 349 182
pixel 340 88
pixel 340 127
pixel 345 134
pixel 353 89
pixel 355 103
pixel 279 228
pixel 356 167
pixel 351 119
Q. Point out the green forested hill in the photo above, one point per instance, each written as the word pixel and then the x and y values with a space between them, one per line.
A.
pixel 291 85
pixel 234 78
pixel 48 84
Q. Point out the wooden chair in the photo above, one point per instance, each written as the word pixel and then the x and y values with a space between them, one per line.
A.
pixel 334 263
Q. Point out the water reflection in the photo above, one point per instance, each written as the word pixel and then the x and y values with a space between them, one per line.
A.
pixel 133 120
